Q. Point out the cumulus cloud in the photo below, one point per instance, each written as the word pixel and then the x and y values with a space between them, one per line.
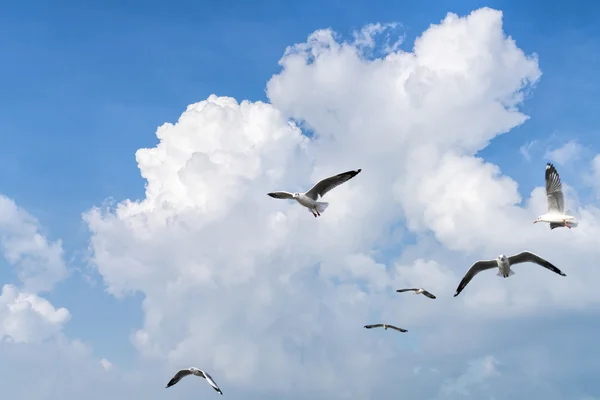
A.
pixel 249 287
pixel 28 318
pixel 25 317
pixel 38 262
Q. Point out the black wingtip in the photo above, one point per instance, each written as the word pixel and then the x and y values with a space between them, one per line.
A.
pixel 455 294
pixel 358 170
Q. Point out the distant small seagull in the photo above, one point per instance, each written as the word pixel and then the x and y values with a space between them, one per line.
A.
pixel 556 215
pixel 309 199
pixel 385 326
pixel 417 291
pixel 193 371
pixel 503 264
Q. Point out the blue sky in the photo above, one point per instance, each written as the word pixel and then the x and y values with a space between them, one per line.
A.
pixel 84 86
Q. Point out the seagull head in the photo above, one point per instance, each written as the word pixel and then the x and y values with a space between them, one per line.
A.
pixel 296 195
pixel 538 219
pixel 502 257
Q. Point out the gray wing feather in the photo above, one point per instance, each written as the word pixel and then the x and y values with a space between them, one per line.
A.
pixel 407 290
pixel 396 328
pixel 474 270
pixel 281 195
pixel 428 294
pixel 325 185
pixel 527 256
pixel 177 377
pixel 373 326
pixel 554 193
pixel 212 382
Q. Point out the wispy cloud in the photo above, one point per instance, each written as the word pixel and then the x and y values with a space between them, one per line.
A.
pixel 569 151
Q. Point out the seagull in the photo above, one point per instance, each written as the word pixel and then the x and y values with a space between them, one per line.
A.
pixel 309 199
pixel 556 215
pixel 503 264
pixel 417 291
pixel 194 371
pixel 385 326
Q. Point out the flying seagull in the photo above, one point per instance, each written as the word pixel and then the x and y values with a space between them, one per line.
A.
pixel 385 326
pixel 193 371
pixel 556 215
pixel 417 291
pixel 309 199
pixel 503 264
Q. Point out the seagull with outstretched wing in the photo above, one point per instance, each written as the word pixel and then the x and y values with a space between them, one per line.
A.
pixel 503 264
pixel 194 371
pixel 385 326
pixel 417 291
pixel 556 215
pixel 309 199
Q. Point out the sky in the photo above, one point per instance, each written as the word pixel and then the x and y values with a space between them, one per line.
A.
pixel 140 140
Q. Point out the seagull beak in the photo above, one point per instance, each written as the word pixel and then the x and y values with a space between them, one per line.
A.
pixel 535 221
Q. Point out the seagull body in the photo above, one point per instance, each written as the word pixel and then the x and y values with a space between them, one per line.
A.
pixel 309 198
pixel 385 326
pixel 556 215
pixel 417 291
pixel 503 264
pixel 193 371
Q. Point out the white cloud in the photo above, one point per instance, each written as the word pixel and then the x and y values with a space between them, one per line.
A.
pixel 26 317
pixel 39 263
pixel 107 365
pixel 31 327
pixel 569 151
pixel 251 287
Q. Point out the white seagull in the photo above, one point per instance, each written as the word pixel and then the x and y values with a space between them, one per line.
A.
pixel 556 215
pixel 193 371
pixel 417 291
pixel 385 326
pixel 309 199
pixel 503 264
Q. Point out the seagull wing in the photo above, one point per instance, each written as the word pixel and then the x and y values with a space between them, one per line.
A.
pixel 327 184
pixel 373 326
pixel 554 193
pixel 407 290
pixel 396 328
pixel 430 295
pixel 527 256
pixel 281 195
pixel 474 270
pixel 212 382
pixel 180 374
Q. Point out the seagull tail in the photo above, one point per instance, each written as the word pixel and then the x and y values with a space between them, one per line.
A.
pixel 322 206
pixel 510 273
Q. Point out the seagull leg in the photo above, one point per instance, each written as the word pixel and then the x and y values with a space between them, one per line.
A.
pixel 318 213
pixel 313 212
pixel 567 225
